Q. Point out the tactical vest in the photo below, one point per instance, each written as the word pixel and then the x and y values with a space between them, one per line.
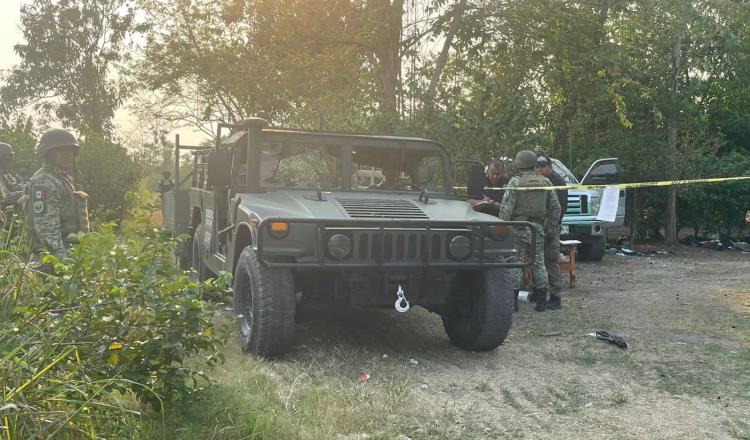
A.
pixel 73 209
pixel 531 204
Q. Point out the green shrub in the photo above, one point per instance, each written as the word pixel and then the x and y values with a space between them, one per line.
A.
pixel 116 320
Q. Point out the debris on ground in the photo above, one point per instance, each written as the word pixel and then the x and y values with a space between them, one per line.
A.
pixel 612 339
pixel 413 362
pixel 723 243
pixel 624 250
pixel 364 377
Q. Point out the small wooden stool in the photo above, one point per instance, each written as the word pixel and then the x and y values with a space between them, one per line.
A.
pixel 570 265
pixel 565 266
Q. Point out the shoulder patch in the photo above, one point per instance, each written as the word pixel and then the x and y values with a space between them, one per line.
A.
pixel 39 195
pixel 38 206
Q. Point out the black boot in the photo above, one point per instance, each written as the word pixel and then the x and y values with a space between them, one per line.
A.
pixel 534 297
pixel 541 299
pixel 515 300
pixel 554 302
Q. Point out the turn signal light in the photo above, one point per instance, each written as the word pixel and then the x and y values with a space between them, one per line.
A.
pixel 279 230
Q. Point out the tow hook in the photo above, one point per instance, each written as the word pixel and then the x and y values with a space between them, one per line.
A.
pixel 402 304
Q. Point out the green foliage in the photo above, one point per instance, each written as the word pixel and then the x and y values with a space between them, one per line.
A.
pixel 718 209
pixel 116 320
pixel 70 47
pixel 108 174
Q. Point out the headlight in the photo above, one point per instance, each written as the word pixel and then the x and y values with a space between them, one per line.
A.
pixel 459 247
pixel 594 205
pixel 339 246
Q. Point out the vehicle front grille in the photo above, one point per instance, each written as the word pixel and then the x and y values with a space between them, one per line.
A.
pixel 577 204
pixel 398 245
pixel 377 208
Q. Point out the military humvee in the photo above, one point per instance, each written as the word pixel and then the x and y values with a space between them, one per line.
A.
pixel 366 220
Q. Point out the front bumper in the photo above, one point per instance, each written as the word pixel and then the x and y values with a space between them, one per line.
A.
pixel 395 244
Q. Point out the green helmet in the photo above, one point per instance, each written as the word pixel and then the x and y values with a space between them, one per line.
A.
pixel 56 138
pixel 6 150
pixel 525 159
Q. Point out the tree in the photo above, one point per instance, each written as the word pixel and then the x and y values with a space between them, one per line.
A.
pixel 68 59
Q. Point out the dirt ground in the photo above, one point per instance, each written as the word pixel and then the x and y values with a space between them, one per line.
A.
pixel 686 374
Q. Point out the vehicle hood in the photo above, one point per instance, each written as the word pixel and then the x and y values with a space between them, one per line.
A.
pixel 304 204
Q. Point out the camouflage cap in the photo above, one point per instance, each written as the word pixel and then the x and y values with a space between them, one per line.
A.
pixel 56 138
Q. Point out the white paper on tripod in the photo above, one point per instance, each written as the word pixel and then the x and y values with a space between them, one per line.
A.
pixel 608 207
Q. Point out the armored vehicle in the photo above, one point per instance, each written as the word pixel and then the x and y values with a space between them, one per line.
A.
pixel 366 220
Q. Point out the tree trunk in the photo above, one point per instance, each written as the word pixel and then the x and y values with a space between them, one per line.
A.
pixel 672 125
pixel 388 19
pixel 443 57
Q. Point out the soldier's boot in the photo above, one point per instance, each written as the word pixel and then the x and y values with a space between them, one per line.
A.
pixel 554 302
pixel 534 297
pixel 515 300
pixel 541 299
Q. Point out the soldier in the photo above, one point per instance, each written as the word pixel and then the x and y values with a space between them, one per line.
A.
pixel 496 178
pixel 11 184
pixel 55 208
pixel 166 183
pixel 540 208
pixel 552 234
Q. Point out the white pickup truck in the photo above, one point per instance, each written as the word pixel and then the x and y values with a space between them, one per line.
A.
pixel 579 222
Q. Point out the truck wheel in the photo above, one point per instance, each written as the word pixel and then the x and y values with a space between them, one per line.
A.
pixel 593 250
pixel 196 256
pixel 480 309
pixel 264 301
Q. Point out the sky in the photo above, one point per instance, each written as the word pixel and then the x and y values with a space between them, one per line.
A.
pixel 10 35
pixel 9 32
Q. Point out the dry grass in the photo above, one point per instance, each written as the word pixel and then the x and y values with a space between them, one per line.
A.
pixel 685 376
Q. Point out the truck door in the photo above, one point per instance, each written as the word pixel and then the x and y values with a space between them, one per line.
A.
pixel 607 172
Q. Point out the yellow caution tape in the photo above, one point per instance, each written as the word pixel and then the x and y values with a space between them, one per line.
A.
pixel 620 185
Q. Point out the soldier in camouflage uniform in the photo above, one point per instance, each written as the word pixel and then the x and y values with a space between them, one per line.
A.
pixel 12 186
pixel 540 208
pixel 55 208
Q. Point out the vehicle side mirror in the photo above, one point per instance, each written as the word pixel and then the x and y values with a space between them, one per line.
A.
pixel 220 168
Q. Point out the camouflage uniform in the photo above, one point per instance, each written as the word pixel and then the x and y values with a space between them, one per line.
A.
pixel 509 210
pixel 55 210
pixel 13 186
pixel 166 184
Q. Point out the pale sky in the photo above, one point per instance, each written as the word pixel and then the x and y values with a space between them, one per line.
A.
pixel 9 32
pixel 10 35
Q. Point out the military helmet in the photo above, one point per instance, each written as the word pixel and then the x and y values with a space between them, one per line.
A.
pixel 525 159
pixel 6 150
pixel 56 138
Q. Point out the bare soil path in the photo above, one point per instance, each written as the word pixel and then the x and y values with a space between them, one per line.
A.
pixel 686 374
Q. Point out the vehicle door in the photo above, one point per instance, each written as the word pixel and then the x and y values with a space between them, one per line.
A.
pixel 607 172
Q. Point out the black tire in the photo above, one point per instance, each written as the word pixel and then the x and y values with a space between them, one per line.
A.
pixel 480 309
pixel 593 250
pixel 264 301
pixel 197 255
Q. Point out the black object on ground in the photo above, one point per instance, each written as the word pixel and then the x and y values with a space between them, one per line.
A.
pixel 612 339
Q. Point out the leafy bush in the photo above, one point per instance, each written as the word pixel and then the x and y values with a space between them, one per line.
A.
pixel 718 209
pixel 116 320
pixel 108 175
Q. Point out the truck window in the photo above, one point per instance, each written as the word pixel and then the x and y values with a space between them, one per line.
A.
pixel 396 169
pixel 563 171
pixel 300 165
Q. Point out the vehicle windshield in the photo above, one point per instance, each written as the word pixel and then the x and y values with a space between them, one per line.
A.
pixel 563 171
pixel 289 165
